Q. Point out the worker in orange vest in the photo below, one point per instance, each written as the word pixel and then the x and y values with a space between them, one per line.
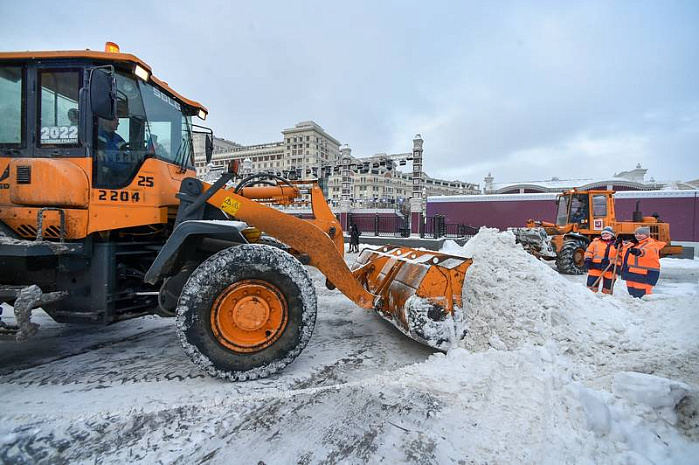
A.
pixel 640 263
pixel 599 254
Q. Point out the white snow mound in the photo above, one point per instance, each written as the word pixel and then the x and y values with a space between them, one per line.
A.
pixel 512 299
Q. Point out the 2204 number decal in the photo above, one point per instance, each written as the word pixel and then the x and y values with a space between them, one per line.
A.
pixel 119 196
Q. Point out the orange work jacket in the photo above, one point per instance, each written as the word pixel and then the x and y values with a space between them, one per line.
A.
pixel 644 268
pixel 599 250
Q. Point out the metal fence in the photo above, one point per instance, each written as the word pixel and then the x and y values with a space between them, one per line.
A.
pixel 381 225
pixel 437 226
pixel 398 226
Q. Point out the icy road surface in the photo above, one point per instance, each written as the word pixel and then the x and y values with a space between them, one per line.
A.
pixel 550 373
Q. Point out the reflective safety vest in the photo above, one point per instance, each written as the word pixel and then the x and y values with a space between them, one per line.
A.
pixel 644 268
pixel 598 250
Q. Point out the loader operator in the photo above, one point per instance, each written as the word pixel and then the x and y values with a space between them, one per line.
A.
pixel 640 263
pixel 599 255
pixel 107 137
pixel 580 209
pixel 114 166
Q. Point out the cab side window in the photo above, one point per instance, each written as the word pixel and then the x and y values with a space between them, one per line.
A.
pixel 11 106
pixel 58 114
pixel 120 142
pixel 599 206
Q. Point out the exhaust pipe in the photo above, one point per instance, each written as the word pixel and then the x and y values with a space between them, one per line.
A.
pixel 637 215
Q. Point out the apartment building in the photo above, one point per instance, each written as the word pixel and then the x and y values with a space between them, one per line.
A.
pixel 308 151
pixel 377 181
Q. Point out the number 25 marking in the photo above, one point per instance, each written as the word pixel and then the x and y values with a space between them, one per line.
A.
pixel 145 181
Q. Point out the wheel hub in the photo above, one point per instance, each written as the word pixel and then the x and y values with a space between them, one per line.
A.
pixel 249 316
pixel 250 313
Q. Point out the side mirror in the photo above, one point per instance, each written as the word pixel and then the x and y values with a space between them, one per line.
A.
pixel 103 94
pixel 209 147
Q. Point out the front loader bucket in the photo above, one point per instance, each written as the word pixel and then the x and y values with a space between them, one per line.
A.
pixel 419 291
pixel 535 241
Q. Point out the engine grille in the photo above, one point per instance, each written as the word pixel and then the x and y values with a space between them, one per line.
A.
pixel 24 174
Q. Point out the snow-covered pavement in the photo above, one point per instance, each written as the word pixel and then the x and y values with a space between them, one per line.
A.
pixel 549 373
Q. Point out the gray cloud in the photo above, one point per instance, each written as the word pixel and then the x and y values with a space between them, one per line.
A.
pixel 526 91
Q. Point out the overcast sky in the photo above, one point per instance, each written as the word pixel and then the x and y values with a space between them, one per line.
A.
pixel 525 90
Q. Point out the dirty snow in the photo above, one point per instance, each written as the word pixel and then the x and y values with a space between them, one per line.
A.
pixel 548 373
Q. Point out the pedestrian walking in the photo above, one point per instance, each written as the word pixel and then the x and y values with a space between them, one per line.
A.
pixel 354 238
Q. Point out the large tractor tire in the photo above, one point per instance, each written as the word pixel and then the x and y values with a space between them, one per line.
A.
pixel 246 312
pixel 571 257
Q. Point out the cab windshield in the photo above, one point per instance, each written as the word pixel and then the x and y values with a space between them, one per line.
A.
pixel 562 212
pixel 11 108
pixel 573 209
pixel 149 123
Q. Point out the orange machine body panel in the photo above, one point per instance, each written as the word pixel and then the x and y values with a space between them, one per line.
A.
pixel 65 184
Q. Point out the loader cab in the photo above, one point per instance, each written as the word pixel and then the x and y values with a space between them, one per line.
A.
pixel 49 111
pixel 585 210
pixel 86 134
pixel 573 209
pixel 148 123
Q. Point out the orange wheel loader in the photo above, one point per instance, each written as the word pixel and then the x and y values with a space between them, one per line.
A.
pixel 102 219
pixel 580 217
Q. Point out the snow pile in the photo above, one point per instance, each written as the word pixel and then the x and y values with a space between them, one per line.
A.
pixel 513 302
pixel 512 299
pixel 681 263
pixel 553 374
pixel 526 406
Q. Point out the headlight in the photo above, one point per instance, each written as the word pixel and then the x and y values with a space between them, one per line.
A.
pixel 201 115
pixel 141 72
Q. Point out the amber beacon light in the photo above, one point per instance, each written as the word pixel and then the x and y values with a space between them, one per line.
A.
pixel 111 47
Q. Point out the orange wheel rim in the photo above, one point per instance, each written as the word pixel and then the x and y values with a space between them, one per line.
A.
pixel 579 257
pixel 249 316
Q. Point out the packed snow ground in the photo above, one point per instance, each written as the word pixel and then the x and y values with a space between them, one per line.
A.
pixel 548 373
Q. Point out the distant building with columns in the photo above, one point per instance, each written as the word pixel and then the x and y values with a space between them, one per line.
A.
pixel 308 151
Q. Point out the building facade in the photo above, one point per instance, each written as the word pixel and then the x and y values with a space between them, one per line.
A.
pixel 378 182
pixel 308 147
pixel 220 146
pixel 304 148
pixel 308 151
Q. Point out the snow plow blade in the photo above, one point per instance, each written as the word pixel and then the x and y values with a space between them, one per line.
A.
pixel 419 291
pixel 535 241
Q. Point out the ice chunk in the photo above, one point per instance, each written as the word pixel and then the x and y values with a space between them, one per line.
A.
pixel 653 391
